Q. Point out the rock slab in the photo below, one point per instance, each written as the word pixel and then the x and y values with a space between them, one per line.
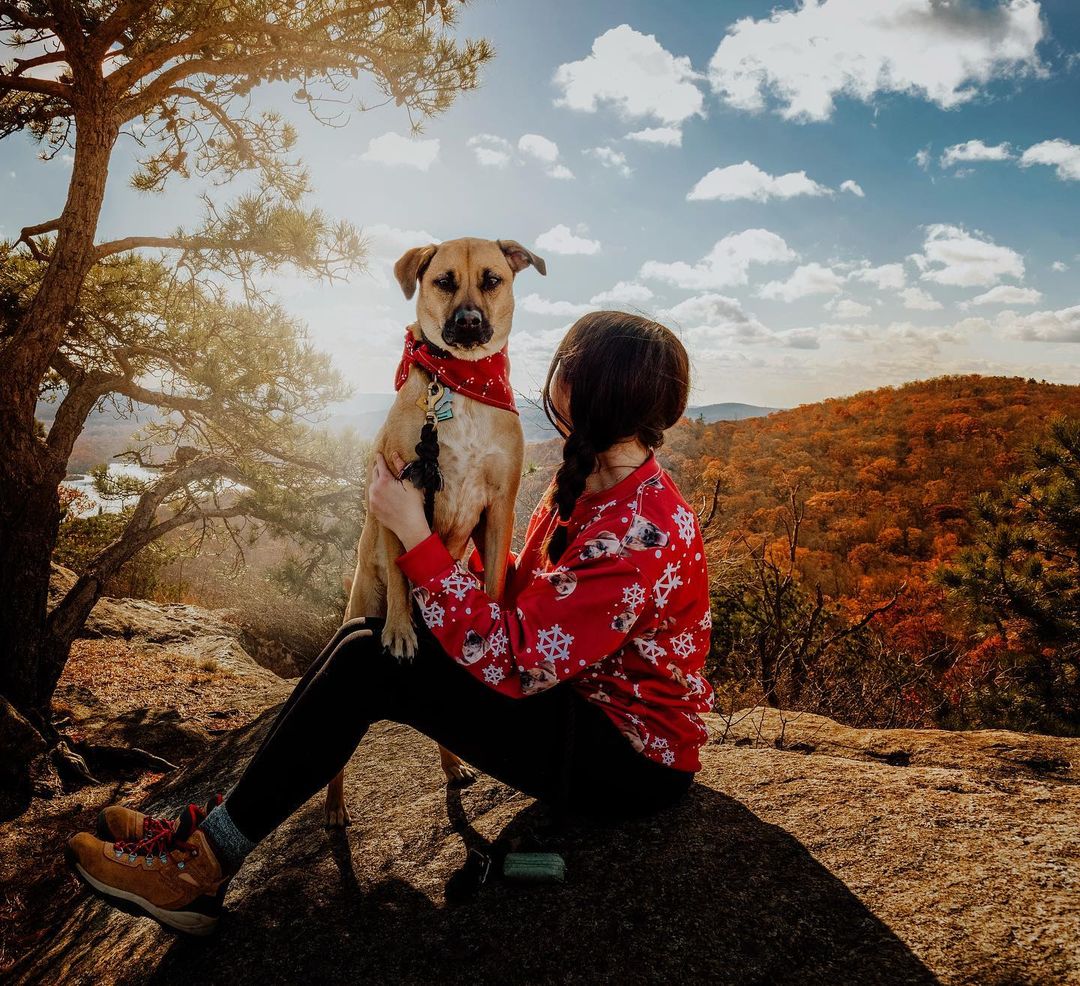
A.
pixel 809 866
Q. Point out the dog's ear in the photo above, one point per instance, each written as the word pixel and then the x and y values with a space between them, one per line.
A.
pixel 411 266
pixel 519 258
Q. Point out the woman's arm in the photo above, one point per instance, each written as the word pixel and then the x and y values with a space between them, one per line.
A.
pixel 560 625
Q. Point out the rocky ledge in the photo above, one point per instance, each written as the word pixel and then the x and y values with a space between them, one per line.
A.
pixel 808 852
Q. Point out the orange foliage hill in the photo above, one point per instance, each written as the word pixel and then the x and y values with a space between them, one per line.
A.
pixel 886 475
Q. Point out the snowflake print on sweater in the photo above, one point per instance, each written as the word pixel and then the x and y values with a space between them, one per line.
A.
pixel 666 584
pixel 634 596
pixel 618 616
pixel 459 582
pixel 553 644
pixel 684 520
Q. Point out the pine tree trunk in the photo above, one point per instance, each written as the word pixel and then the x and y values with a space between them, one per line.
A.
pixel 29 519
pixel 30 471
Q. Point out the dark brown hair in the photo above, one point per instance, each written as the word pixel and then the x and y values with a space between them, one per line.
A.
pixel 627 377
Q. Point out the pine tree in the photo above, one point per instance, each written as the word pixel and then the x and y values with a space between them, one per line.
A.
pixel 89 322
pixel 1020 585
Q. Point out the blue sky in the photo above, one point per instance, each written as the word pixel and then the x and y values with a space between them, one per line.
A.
pixel 731 215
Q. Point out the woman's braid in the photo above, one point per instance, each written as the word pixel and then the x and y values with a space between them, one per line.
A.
pixel 579 460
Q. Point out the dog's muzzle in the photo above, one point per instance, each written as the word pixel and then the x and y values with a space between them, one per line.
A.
pixel 467 328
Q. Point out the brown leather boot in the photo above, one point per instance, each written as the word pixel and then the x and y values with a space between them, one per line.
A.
pixel 171 873
pixel 116 823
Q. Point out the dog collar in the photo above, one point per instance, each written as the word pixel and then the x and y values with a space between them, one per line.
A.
pixel 486 380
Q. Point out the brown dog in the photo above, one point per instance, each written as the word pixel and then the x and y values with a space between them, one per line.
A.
pixel 465 307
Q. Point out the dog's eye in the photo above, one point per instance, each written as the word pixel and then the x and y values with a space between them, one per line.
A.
pixel 445 282
pixel 490 281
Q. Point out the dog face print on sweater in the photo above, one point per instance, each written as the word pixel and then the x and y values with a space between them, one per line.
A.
pixel 538 677
pixel 642 535
pixel 562 581
pixel 605 543
pixel 473 648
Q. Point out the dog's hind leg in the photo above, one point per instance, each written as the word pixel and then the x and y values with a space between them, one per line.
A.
pixel 337 812
pixel 458 772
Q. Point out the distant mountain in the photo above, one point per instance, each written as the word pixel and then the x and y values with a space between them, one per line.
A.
pixel 365 414
pixel 728 412
pixel 107 433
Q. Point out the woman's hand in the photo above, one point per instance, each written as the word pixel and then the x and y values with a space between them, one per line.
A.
pixel 396 503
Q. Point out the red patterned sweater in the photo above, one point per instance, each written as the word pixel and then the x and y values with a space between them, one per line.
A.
pixel 624 615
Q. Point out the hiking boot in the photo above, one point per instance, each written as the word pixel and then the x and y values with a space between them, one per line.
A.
pixel 171 873
pixel 119 824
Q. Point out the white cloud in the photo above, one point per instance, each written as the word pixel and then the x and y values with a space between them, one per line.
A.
pixel 919 300
pixel 922 157
pixel 546 152
pixel 1062 325
pixel 848 308
pixel 385 244
pixel 808 279
pixel 634 73
pixel 850 185
pixel 611 158
pixel 392 148
pixel 539 147
pixel 707 309
pixel 886 277
pixel 975 150
pixel 1060 154
pixel 1006 294
pixel 561 239
pixel 711 322
pixel 726 264
pixel 800 339
pixel 714 319
pixel 491 151
pixel 951 255
pixel 1058 266
pixel 748 181
pixel 915 339
pixel 667 136
pixel 623 293
pixel 542 306
pixel 389 242
pixel 804 58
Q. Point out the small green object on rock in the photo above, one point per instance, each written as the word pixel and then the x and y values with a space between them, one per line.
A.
pixel 534 867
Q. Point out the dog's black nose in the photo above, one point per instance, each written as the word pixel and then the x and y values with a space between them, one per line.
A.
pixel 468 319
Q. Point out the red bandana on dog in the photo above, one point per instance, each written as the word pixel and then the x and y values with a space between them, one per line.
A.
pixel 486 380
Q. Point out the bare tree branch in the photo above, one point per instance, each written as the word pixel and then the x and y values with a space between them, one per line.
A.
pixel 43 87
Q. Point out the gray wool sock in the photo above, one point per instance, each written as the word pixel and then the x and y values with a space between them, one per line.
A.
pixel 230 845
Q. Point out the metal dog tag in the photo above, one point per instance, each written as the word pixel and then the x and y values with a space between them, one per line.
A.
pixel 438 402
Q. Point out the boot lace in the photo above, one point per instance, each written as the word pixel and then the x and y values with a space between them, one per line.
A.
pixel 162 835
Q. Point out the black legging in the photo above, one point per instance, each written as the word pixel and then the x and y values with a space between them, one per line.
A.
pixel 556 746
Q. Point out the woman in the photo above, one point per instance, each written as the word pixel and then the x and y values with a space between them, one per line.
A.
pixel 604 629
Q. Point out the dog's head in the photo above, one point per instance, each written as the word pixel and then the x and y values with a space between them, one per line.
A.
pixel 466 302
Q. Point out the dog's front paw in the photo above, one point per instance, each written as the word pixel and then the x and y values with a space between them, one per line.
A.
pixel 400 641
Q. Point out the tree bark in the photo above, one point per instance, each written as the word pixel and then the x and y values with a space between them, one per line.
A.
pixel 30 472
